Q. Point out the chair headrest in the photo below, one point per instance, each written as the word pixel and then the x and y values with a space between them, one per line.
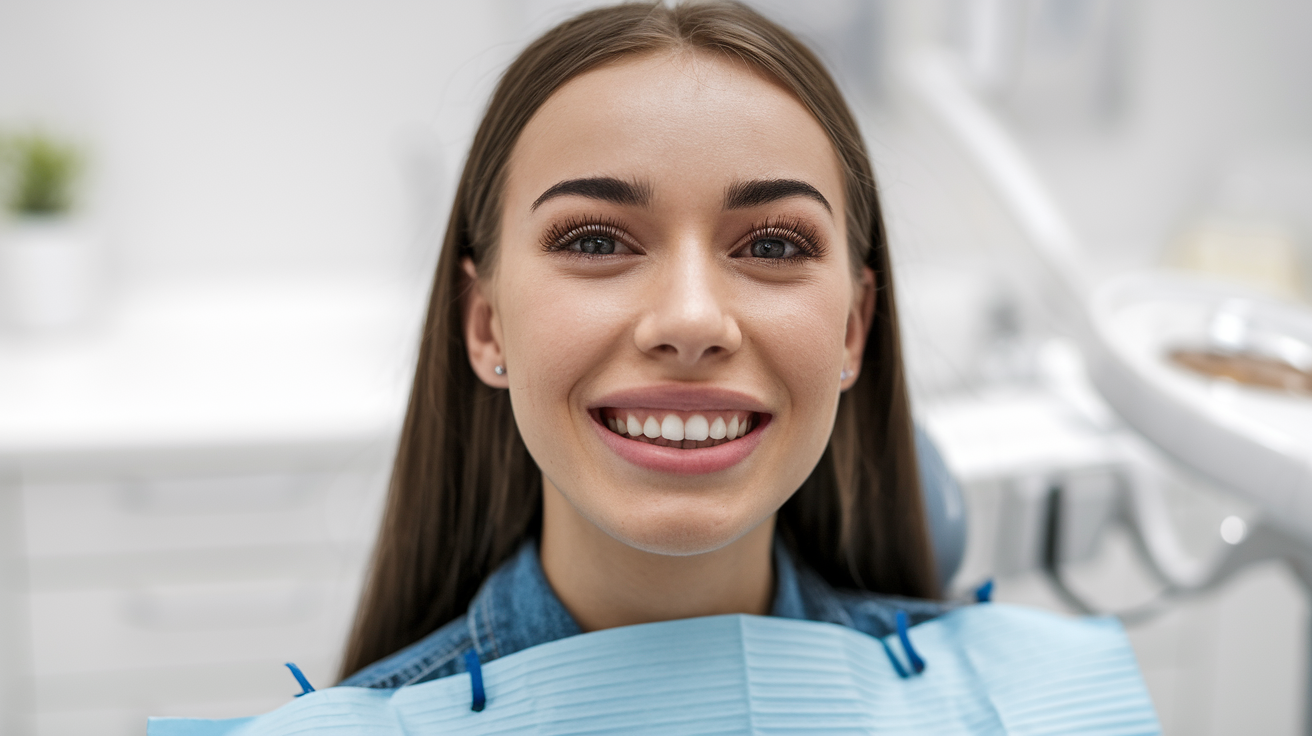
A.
pixel 945 508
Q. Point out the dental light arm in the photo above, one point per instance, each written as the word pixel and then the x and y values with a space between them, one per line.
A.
pixel 934 81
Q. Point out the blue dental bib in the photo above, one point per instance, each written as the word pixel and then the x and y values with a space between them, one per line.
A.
pixel 989 669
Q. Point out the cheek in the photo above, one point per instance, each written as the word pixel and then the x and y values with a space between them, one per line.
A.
pixel 556 333
pixel 800 338
pixel 801 334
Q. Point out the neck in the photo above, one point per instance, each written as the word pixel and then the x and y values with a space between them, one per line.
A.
pixel 604 582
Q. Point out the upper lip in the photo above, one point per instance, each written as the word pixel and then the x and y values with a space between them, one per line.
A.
pixel 680 398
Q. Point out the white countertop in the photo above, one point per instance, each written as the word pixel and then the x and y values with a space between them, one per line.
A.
pixel 194 366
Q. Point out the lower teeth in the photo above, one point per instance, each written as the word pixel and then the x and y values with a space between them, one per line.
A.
pixel 681 444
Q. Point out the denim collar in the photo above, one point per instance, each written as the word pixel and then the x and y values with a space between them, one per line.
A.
pixel 517 609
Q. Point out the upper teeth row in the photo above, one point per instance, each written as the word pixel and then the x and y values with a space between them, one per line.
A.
pixel 672 427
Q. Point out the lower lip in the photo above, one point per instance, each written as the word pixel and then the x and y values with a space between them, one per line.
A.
pixel 683 462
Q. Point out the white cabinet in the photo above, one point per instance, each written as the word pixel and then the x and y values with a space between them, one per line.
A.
pixel 184 510
pixel 149 596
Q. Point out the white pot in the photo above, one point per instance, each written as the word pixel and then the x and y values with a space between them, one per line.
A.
pixel 49 268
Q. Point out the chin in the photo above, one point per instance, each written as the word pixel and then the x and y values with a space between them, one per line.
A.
pixel 694 532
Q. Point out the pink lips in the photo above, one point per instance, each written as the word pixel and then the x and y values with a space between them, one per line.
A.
pixel 682 398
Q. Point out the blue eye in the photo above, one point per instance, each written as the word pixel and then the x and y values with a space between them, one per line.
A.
pixel 773 248
pixel 593 245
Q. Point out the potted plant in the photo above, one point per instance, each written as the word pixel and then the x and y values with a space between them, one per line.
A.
pixel 47 261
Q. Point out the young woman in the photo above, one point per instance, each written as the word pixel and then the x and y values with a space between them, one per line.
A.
pixel 660 376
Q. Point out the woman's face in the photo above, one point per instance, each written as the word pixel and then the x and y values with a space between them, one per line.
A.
pixel 672 299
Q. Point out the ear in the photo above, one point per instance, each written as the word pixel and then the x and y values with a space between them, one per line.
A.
pixel 858 327
pixel 482 330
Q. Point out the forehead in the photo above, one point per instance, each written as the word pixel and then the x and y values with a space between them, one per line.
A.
pixel 686 117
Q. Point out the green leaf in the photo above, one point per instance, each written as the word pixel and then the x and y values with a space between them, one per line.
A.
pixel 42 174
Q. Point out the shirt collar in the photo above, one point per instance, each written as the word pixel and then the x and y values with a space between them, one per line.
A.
pixel 517 609
pixel 802 594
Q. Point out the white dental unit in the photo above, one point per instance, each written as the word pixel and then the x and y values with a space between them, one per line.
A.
pixel 1185 371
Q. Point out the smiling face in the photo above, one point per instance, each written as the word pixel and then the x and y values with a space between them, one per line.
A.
pixel 672 299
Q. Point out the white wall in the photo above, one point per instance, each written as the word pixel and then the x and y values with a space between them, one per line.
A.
pixel 256 138
pixel 1214 89
pixel 294 137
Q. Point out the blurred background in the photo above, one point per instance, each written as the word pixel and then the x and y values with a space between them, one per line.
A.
pixel 221 219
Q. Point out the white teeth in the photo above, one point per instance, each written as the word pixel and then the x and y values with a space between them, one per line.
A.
pixel 675 429
pixel 696 428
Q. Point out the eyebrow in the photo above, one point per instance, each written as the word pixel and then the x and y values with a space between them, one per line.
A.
pixel 745 194
pixel 604 188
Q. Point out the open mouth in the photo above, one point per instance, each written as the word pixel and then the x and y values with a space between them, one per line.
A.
pixel 686 430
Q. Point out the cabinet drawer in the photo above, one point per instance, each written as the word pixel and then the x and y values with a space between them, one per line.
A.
pixel 273 621
pixel 141 515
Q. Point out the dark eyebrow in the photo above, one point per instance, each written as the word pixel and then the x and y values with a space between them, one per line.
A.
pixel 605 188
pixel 744 194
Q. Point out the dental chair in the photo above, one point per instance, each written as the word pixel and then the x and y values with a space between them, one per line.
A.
pixel 945 509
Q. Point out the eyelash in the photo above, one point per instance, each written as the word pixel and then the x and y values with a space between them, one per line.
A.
pixel 797 231
pixel 560 236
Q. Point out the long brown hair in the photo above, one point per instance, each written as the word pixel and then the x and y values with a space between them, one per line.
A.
pixel 466 493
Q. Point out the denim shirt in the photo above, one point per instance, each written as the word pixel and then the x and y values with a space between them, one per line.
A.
pixel 516 609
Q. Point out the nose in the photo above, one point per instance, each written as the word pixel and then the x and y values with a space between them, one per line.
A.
pixel 689 318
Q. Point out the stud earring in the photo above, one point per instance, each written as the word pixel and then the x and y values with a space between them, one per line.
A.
pixel 499 370
pixel 844 374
